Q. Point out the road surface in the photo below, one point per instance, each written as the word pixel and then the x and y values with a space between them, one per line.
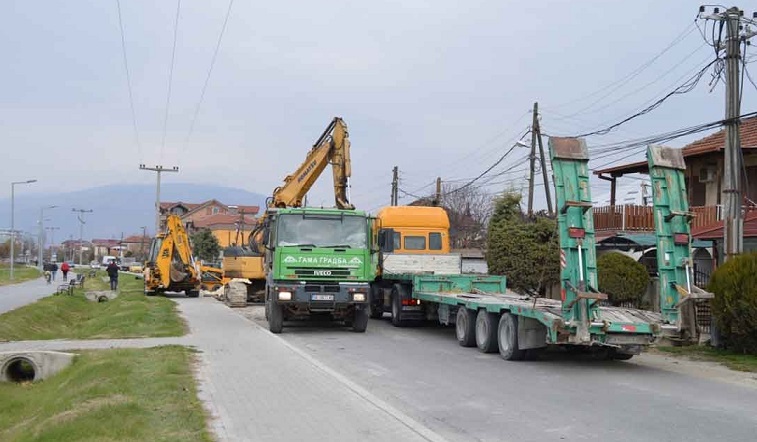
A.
pixel 13 296
pixel 465 395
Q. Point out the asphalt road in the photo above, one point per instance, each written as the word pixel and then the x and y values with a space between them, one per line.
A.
pixel 13 296
pixel 464 395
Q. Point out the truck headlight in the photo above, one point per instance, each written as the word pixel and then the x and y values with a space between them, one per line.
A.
pixel 358 297
pixel 285 296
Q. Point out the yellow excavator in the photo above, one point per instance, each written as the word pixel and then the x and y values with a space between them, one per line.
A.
pixel 170 266
pixel 243 268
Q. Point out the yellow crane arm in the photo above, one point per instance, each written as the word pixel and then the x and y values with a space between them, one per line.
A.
pixel 332 147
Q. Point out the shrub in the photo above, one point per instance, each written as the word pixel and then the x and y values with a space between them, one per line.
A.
pixel 735 305
pixel 622 278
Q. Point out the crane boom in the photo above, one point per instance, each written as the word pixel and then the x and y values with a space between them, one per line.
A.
pixel 332 147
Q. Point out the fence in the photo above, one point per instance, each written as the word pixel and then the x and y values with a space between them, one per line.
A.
pixel 630 217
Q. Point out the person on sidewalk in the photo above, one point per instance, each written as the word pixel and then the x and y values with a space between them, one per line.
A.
pixel 53 270
pixel 65 268
pixel 113 274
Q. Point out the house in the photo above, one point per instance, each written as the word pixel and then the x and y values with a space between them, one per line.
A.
pixel 714 232
pixel 222 219
pixel 704 183
pixel 106 247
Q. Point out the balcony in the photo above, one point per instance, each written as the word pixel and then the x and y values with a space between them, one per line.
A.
pixel 641 218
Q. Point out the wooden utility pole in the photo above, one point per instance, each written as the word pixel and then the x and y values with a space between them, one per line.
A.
pixel 532 160
pixel 438 195
pixel 395 184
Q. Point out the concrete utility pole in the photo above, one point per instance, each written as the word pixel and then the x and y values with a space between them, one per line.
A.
pixel 81 232
pixel 543 161
pixel 158 169
pixel 733 222
pixel 438 195
pixel 41 238
pixel 13 221
pixel 142 246
pixel 395 183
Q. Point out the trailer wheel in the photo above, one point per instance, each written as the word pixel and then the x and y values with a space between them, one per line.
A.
pixel 619 356
pixel 486 331
pixel 360 321
pixel 275 317
pixel 465 327
pixel 507 332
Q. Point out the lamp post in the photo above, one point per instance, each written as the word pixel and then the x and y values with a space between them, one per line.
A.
pixel 52 239
pixel 81 232
pixel 40 240
pixel 13 219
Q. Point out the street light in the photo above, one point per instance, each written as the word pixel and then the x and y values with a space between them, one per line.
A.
pixel 81 231
pixel 40 240
pixel 13 219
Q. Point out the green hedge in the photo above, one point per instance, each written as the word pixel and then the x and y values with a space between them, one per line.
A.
pixel 622 278
pixel 735 305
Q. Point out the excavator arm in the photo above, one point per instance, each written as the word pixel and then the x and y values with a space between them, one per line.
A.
pixel 332 147
pixel 172 267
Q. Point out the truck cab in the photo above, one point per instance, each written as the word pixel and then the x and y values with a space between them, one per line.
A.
pixel 413 230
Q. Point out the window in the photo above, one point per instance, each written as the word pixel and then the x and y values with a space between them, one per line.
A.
pixel 415 243
pixel 397 241
pixel 435 241
pixel 322 231
pixel 215 210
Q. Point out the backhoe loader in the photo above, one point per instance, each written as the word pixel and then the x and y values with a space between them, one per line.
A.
pixel 170 266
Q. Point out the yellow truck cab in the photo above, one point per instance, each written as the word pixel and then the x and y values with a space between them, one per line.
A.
pixel 414 229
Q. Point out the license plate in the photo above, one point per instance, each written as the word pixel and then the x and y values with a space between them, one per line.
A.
pixel 411 307
pixel 322 297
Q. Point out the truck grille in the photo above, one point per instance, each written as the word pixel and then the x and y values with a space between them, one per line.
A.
pixel 317 288
pixel 322 272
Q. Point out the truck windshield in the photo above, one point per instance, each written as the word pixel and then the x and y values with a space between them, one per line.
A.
pixel 322 231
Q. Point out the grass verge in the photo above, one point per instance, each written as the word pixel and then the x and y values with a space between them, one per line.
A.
pixel 732 360
pixel 121 394
pixel 20 274
pixel 130 315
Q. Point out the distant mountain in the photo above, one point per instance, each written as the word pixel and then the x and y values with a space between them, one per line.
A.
pixel 117 208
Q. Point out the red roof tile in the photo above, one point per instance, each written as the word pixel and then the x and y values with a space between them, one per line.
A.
pixel 711 143
pixel 222 219
pixel 715 231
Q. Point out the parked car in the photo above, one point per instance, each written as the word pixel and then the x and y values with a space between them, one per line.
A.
pixel 94 265
pixel 136 268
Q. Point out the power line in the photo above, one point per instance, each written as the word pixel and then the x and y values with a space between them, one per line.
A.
pixel 471 182
pixel 128 80
pixel 170 78
pixel 207 77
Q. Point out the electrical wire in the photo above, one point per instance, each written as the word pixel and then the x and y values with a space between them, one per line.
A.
pixel 170 78
pixel 128 80
pixel 207 77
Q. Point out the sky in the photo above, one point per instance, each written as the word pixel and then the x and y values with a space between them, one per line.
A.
pixel 437 88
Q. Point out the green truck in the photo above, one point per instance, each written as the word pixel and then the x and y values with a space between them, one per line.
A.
pixel 317 263
pixel 489 316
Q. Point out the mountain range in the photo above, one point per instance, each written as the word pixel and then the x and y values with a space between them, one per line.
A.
pixel 116 209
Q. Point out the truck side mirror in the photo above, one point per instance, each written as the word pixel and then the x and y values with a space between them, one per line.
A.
pixel 386 240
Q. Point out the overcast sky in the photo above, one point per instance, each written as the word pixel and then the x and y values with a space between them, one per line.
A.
pixel 438 88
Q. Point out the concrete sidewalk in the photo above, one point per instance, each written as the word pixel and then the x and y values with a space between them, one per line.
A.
pixel 13 296
pixel 258 387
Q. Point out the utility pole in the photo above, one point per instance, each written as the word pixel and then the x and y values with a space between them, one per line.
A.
pixel 81 232
pixel 13 221
pixel 438 195
pixel 142 246
pixel 733 223
pixel 121 248
pixel 543 161
pixel 395 183
pixel 532 160
pixel 41 238
pixel 158 169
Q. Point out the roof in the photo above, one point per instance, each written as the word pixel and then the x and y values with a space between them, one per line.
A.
pixel 195 207
pixel 137 238
pixel 646 240
pixel 169 205
pixel 413 216
pixel 715 231
pixel 709 144
pixel 223 219
pixel 106 242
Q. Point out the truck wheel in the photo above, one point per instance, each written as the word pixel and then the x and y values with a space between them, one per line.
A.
pixel 507 332
pixel 193 293
pixel 360 322
pixel 465 327
pixel 619 356
pixel 486 331
pixel 275 317
pixel 376 307
pixel 396 308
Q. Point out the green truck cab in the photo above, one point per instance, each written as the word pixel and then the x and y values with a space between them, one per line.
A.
pixel 317 262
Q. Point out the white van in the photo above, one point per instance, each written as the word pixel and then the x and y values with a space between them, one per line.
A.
pixel 107 260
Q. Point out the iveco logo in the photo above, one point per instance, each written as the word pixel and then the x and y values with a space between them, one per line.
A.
pixel 321 272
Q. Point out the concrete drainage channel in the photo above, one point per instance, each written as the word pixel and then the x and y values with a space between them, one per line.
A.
pixel 30 366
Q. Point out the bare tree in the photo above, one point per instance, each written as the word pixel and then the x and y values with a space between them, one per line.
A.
pixel 469 210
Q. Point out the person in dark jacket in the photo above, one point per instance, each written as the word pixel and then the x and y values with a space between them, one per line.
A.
pixel 53 270
pixel 112 270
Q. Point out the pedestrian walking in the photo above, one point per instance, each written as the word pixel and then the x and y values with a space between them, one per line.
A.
pixel 65 268
pixel 53 270
pixel 112 270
